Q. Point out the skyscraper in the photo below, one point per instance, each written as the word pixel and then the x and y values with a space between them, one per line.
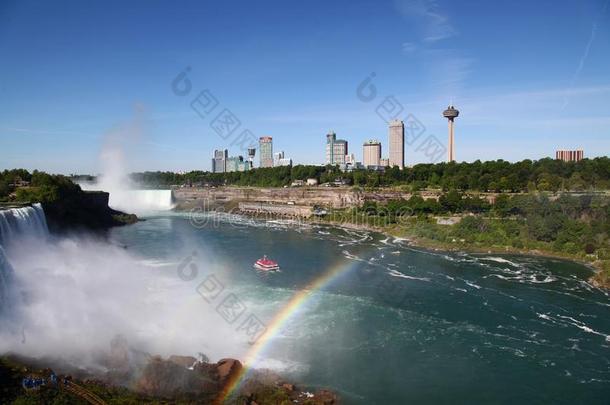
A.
pixel 371 153
pixel 336 149
pixel 219 161
pixel 265 146
pixel 451 113
pixel 397 143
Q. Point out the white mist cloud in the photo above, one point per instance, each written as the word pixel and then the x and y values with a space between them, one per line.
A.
pixel 77 294
pixel 119 148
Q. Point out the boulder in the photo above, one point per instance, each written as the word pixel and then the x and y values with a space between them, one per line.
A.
pixel 226 368
pixel 325 397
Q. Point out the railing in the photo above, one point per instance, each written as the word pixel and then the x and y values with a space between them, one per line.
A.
pixel 81 392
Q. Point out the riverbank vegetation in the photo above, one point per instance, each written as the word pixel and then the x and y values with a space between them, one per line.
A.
pixel 568 226
pixel 21 186
pixel 492 176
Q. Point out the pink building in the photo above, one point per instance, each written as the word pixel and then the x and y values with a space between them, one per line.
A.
pixel 569 155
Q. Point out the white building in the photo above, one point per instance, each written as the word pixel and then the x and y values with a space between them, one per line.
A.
pixel 279 159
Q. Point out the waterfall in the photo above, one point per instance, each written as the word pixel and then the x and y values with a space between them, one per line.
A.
pixel 6 276
pixel 141 201
pixel 17 224
pixel 154 199
pixel 28 222
pixel 124 197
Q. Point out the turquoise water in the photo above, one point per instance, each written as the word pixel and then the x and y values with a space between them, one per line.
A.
pixel 401 325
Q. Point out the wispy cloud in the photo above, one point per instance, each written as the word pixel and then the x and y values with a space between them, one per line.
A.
pixel 449 69
pixel 585 55
pixel 428 18
pixel 447 66
pixel 409 47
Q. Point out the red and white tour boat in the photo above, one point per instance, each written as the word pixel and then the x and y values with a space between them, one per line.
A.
pixel 266 264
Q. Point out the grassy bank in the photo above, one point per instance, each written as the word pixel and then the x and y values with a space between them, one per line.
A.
pixel 483 234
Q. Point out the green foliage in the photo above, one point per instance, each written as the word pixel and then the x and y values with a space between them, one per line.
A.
pixel 4 189
pixel 470 226
pixel 42 187
pixel 492 176
pixel 574 225
pixel 37 194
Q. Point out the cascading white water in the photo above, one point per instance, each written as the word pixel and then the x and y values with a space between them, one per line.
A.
pixel 17 224
pixel 141 201
pixel 29 222
pixel 131 200
pixel 6 276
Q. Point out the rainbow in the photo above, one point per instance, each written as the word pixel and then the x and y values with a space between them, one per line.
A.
pixel 297 302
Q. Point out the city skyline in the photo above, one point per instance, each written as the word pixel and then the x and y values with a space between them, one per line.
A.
pixel 59 112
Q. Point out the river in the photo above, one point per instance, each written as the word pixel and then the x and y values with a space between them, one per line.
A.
pixel 386 323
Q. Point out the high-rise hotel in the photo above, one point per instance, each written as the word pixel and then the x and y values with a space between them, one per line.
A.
pixel 570 155
pixel 265 146
pixel 336 149
pixel 219 161
pixel 397 143
pixel 371 153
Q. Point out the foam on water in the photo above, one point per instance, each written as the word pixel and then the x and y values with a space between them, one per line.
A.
pixel 396 273
pixel 500 260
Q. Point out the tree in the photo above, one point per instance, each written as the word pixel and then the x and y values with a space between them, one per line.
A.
pixel 576 182
pixel 502 205
pixel 4 188
pixel 451 201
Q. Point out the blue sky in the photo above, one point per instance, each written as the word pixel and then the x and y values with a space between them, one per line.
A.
pixel 528 77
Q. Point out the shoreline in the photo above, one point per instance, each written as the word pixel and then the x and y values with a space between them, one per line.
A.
pixel 431 244
pixel 597 266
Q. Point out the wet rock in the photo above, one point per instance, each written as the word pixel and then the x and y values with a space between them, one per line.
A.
pixel 184 361
pixel 325 397
pixel 166 379
pixel 227 368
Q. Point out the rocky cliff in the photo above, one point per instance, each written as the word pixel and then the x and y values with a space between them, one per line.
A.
pixel 176 380
pixel 85 210
pixel 329 197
